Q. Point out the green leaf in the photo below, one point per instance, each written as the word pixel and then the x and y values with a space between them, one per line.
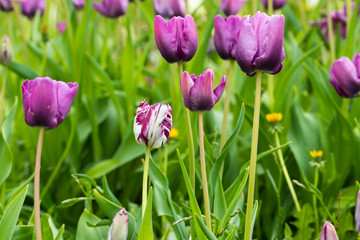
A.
pixel 11 215
pixel 22 71
pixel 206 231
pixel 60 233
pixel 85 232
pixel 146 229
pixel 303 222
pixel 46 232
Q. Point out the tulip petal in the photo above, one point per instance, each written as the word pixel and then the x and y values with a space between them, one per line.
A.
pixel 219 90
pixel 201 94
pixel 328 232
pixel 188 38
pixel 186 83
pixel 65 96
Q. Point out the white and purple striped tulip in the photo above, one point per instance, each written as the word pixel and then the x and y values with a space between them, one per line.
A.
pixel 119 227
pixel 357 213
pixel 197 91
pixel 152 124
pixel 328 232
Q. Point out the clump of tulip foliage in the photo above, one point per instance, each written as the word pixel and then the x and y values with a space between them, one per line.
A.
pixel 174 119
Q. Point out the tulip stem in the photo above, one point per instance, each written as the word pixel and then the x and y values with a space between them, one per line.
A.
pixel 203 172
pixel 37 184
pixel 18 20
pixel 43 61
pixel 316 179
pixel 254 6
pixel 286 174
pixel 270 7
pixel 254 145
pixel 2 96
pixel 145 178
pixel 331 32
pixel 349 12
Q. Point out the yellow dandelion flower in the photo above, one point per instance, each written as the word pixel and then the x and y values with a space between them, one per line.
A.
pixel 174 133
pixel 274 117
pixel 316 154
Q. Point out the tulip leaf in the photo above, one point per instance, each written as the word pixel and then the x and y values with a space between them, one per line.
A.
pixel 204 228
pixel 146 228
pixel 22 71
pixel 46 232
pixel 11 215
pixel 350 31
pixel 85 232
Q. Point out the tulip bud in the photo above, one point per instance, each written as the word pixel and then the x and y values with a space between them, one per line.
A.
pixel 197 91
pixel 152 124
pixel 328 232
pixel 61 26
pixel 78 4
pixel 47 102
pixel 177 39
pixel 357 213
pixel 277 4
pixel 260 45
pixel 111 8
pixel 169 8
pixel 30 7
pixel 344 76
pixel 6 51
pixel 231 7
pixel 226 35
pixel 119 227
pixel 5 5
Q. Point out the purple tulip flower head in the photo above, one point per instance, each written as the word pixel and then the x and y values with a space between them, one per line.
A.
pixel 61 27
pixel 6 51
pixel 30 7
pixel 226 35
pixel 47 102
pixel 338 18
pixel 197 91
pixel 277 4
pixel 169 8
pixel 328 232
pixel 5 5
pixel 111 8
pixel 344 76
pixel 152 124
pixel 177 39
pixel 78 4
pixel 260 45
pixel 357 213
pixel 231 7
pixel 119 227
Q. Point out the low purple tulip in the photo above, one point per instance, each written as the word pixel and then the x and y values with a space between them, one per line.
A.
pixel 119 227
pixel 169 8
pixel 357 213
pixel 6 51
pixel 231 7
pixel 5 5
pixel 277 4
pixel 78 4
pixel 344 76
pixel 337 18
pixel 328 232
pixel 61 27
pixel 47 102
pixel 152 124
pixel 111 8
pixel 177 39
pixel 260 45
pixel 226 35
pixel 197 91
pixel 30 7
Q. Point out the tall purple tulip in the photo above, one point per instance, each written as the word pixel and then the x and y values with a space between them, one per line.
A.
pixel 119 227
pixel 231 7
pixel 169 8
pixel 226 35
pixel 30 7
pixel 328 232
pixel 46 101
pixel 337 18
pixel 78 4
pixel 152 124
pixel 5 5
pixel 345 76
pixel 197 91
pixel 177 39
pixel 276 3
pixel 111 8
pixel 357 213
pixel 260 45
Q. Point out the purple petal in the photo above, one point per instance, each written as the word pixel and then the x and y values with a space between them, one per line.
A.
pixel 188 38
pixel 328 232
pixel 5 5
pixel 201 94
pixel 186 84
pixel 231 7
pixel 218 91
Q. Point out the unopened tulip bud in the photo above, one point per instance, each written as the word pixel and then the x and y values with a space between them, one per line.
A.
pixel 119 227
pixel 6 51
pixel 328 232
pixel 231 7
pixel 78 4
pixel 111 8
pixel 5 5
pixel 277 4
pixel 30 7
pixel 357 213
pixel 169 8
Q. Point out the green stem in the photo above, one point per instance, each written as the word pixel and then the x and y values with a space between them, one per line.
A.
pixel 227 104
pixel 254 145
pixel 160 159
pixel 345 106
pixel 22 33
pixel 37 184
pixel 165 158
pixel 331 32
pixel 316 179
pixel 203 171
pixel 300 4
pixel 145 178
pixel 286 174
pixel 43 61
pixel 2 96
pixel 255 5
pixel 349 13
pixel 68 26
pixel 270 7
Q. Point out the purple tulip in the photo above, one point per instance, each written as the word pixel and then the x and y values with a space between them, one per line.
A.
pixel 357 213
pixel 61 26
pixel 111 8
pixel 344 76
pixel 30 7
pixel 119 227
pixel 277 4
pixel 260 45
pixel 152 124
pixel 338 18
pixel 78 4
pixel 177 39
pixel 231 7
pixel 328 232
pixel 6 51
pixel 46 101
pixel 227 32
pixel 169 8
pixel 5 5
pixel 197 91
